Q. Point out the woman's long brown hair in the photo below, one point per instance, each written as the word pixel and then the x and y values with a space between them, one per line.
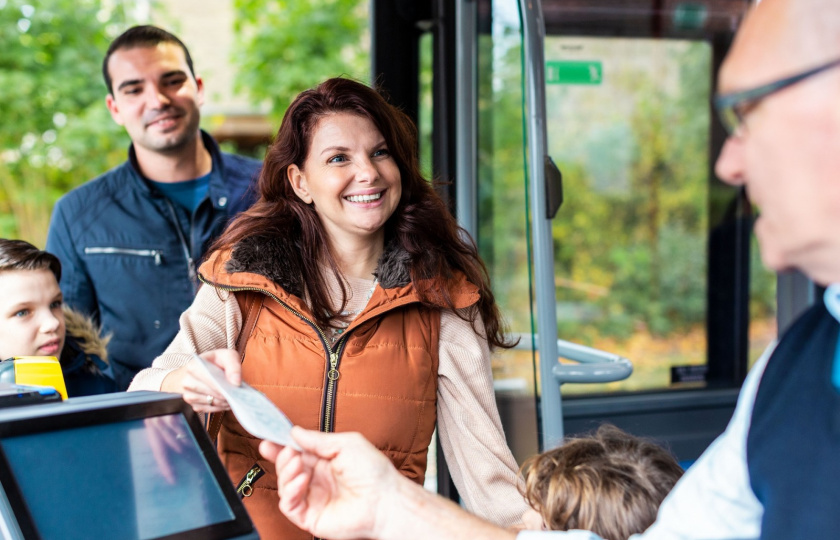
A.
pixel 421 223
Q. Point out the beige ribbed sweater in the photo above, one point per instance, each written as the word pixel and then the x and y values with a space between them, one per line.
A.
pixel 469 427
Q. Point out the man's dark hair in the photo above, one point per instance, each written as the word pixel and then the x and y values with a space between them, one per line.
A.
pixel 142 36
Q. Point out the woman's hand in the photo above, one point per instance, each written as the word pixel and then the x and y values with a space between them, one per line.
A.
pixel 197 388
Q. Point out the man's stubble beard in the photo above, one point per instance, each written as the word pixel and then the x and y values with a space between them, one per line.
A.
pixel 172 144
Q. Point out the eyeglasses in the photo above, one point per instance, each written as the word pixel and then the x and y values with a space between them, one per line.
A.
pixel 732 107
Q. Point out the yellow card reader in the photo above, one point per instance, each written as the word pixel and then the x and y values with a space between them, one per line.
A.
pixel 34 371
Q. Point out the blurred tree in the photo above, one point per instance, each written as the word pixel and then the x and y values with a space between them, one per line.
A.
pixel 56 132
pixel 286 46
pixel 502 188
pixel 635 217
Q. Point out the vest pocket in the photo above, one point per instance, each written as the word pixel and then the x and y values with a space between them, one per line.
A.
pixel 245 487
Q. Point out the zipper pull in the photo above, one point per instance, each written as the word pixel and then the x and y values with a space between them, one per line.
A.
pixel 245 488
pixel 333 374
pixel 157 253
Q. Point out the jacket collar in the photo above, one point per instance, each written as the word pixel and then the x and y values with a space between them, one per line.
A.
pixel 216 185
pixel 84 346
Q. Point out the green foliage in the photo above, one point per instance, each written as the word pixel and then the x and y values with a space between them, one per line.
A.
pixel 286 46
pixel 502 187
pixel 630 239
pixel 672 300
pixel 56 132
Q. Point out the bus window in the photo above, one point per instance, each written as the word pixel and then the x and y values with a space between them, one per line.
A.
pixel 628 124
pixel 652 256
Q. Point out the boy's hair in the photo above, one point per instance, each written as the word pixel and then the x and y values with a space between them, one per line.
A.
pixel 20 255
pixel 610 483
pixel 142 36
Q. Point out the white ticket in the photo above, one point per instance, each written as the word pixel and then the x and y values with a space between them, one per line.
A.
pixel 255 412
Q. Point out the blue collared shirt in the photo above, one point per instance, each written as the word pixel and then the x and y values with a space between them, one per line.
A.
pixel 832 303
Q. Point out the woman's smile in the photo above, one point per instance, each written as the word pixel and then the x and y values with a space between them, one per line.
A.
pixel 369 198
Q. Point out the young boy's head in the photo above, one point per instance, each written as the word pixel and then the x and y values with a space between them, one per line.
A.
pixel 611 483
pixel 31 316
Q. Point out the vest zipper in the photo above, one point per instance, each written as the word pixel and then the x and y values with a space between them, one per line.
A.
pixel 245 488
pixel 332 381
pixel 333 359
pixel 333 356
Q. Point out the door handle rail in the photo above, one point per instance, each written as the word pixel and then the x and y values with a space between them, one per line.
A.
pixel 592 365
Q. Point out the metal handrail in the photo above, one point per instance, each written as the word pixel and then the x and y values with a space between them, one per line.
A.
pixel 533 39
pixel 593 365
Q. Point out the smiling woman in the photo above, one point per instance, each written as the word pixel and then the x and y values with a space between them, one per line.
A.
pixel 355 302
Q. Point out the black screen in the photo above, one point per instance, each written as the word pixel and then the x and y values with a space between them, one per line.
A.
pixel 136 479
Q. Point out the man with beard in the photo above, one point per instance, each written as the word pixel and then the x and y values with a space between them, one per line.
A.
pixel 129 240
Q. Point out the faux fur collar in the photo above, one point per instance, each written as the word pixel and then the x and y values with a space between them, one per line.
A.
pixel 86 334
pixel 278 259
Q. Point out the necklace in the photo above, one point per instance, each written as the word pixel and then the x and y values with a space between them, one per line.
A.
pixel 349 315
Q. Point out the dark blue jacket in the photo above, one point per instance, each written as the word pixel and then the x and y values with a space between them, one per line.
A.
pixel 128 254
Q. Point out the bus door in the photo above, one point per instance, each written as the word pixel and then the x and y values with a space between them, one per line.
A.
pixel 605 231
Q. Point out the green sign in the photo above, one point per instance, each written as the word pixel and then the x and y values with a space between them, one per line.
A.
pixel 690 15
pixel 573 72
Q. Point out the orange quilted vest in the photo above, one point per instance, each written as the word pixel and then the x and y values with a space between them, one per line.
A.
pixel 379 378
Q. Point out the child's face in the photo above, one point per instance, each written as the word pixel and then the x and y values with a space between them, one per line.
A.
pixel 31 319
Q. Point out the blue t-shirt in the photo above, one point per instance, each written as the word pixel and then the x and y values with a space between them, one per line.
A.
pixel 187 194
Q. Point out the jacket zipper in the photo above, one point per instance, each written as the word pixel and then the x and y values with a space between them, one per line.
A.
pixel 191 272
pixel 333 356
pixel 156 253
